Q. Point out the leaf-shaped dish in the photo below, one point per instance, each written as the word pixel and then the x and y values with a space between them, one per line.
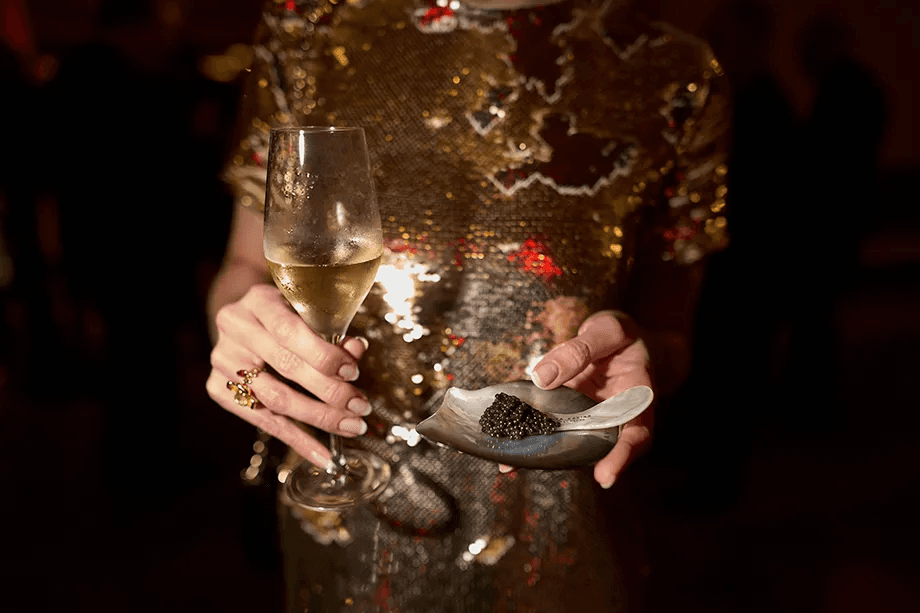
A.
pixel 456 424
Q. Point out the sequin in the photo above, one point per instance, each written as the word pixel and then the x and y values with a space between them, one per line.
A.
pixel 527 161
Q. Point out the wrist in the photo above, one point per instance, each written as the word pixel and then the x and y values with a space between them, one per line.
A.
pixel 667 353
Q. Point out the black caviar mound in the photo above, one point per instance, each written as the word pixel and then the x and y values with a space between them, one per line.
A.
pixel 510 417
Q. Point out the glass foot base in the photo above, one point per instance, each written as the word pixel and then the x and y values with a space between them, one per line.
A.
pixel 364 478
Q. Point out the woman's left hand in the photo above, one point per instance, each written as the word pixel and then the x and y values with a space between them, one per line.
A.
pixel 602 360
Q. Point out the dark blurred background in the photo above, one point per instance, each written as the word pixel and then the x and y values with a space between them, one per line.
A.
pixel 783 479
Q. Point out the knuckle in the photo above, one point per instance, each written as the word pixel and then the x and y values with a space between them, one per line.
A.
pixel 284 329
pixel 581 350
pixel 215 357
pixel 576 353
pixel 256 296
pixel 324 362
pixel 276 398
pixel 287 363
pixel 255 292
pixel 329 420
pixel 337 393
pixel 214 387
pixel 224 317
pixel 643 435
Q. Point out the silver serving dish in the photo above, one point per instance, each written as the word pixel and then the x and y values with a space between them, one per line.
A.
pixel 588 433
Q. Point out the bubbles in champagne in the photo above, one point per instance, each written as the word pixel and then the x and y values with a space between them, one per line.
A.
pixel 325 296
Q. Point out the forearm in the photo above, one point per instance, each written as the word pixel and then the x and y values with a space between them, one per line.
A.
pixel 243 265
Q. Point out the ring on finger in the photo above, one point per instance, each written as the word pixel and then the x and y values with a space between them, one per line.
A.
pixel 243 394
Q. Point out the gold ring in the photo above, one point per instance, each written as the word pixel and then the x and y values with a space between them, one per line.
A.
pixel 242 392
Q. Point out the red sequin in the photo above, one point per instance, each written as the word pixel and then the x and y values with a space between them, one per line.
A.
pixel 679 233
pixel 435 13
pixel 401 245
pixel 534 256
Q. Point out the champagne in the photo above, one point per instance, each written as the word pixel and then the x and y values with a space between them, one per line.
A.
pixel 323 243
pixel 327 296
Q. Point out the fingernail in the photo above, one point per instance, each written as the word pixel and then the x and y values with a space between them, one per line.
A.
pixel 359 406
pixel 505 469
pixel 608 484
pixel 349 372
pixel 353 426
pixel 364 342
pixel 544 374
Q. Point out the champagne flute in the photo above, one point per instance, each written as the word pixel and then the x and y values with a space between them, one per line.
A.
pixel 323 242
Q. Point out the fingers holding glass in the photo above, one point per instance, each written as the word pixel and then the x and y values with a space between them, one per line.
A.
pixel 250 330
pixel 256 388
pixel 279 426
pixel 298 341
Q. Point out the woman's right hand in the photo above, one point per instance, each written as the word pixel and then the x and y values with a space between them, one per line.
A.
pixel 261 329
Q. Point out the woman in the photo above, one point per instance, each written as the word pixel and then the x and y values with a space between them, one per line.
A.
pixel 537 167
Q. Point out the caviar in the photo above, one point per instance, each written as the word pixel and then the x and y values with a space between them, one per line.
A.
pixel 510 417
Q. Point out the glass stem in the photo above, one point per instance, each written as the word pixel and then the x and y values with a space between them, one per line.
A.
pixel 338 466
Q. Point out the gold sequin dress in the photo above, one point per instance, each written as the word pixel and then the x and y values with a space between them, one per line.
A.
pixel 532 167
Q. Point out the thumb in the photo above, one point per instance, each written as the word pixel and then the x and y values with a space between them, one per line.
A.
pixel 600 336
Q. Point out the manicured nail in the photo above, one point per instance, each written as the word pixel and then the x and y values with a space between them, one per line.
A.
pixel 353 426
pixel 505 469
pixel 608 484
pixel 349 372
pixel 544 374
pixel 364 342
pixel 359 406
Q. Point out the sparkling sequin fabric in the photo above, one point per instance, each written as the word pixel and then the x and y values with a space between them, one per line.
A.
pixel 529 165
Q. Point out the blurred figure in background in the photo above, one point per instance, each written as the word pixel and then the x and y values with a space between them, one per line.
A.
pixel 839 164
pixel 746 288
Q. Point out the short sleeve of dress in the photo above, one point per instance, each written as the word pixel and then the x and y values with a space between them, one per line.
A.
pixel 687 221
pixel 281 72
pixel 692 220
